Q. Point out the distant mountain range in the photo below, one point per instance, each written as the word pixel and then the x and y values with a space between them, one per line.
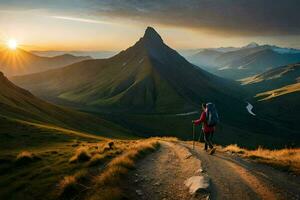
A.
pixel 19 62
pixel 238 63
pixel 93 54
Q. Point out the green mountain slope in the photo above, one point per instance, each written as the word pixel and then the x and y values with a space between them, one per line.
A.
pixel 277 94
pixel 273 79
pixel 19 104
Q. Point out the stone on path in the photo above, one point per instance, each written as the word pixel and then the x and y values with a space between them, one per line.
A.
pixel 197 184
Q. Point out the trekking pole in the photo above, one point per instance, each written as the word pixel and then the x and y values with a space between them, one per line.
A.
pixel 193 136
pixel 200 136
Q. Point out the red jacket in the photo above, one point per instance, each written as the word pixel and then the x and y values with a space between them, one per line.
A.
pixel 205 127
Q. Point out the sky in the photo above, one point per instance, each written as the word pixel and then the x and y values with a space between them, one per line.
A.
pixel 117 24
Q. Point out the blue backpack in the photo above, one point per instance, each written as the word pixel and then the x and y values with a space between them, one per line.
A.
pixel 212 116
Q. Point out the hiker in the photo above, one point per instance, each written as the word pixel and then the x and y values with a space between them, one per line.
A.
pixel 209 117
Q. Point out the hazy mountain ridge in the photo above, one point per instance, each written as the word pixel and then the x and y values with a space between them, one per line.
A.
pixel 19 62
pixel 92 54
pixel 245 61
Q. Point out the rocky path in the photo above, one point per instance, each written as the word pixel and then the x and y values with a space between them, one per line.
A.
pixel 162 175
pixel 165 175
pixel 236 178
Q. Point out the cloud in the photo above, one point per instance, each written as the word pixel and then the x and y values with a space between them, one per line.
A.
pixel 235 17
pixel 226 17
pixel 77 19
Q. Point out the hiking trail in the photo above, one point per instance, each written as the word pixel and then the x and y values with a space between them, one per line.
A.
pixel 163 175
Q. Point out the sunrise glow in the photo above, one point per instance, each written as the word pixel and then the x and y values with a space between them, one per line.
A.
pixel 12 44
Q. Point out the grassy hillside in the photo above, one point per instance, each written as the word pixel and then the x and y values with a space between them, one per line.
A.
pixel 43 145
pixel 17 103
pixel 276 94
pixel 272 79
pixel 279 92
pixel 38 159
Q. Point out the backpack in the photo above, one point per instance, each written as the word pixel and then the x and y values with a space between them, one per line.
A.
pixel 212 116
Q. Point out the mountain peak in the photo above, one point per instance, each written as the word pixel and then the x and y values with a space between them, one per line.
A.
pixel 152 35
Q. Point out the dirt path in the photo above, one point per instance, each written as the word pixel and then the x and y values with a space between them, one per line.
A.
pixel 236 178
pixel 161 176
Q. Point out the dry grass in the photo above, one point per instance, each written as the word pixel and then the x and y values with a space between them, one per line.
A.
pixel 284 159
pixel 25 157
pixel 279 92
pixel 97 160
pixel 112 193
pixel 81 155
pixel 112 160
pixel 68 185
pixel 110 178
pixel 120 165
pixel 71 186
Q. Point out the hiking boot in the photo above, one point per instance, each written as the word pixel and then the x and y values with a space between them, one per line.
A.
pixel 212 151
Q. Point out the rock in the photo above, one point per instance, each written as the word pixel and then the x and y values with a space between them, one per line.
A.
pixel 139 192
pixel 156 184
pixel 197 184
pixel 199 171
pixel 188 156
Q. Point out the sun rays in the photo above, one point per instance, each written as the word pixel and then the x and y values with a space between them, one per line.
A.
pixel 13 59
pixel 12 44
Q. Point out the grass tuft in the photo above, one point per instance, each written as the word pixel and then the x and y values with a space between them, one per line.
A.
pixel 25 157
pixel 110 178
pixel 68 186
pixel 122 164
pixel 81 155
pixel 97 160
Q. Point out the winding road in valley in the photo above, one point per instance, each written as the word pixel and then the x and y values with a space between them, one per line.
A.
pixel 163 175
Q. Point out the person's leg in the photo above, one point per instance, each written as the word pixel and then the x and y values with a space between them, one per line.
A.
pixel 205 135
pixel 209 141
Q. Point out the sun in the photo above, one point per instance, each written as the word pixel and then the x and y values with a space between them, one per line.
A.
pixel 12 44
